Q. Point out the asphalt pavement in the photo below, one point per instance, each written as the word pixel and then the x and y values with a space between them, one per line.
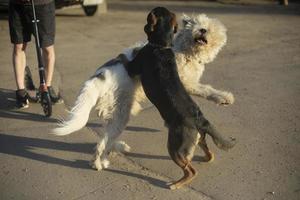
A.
pixel 260 65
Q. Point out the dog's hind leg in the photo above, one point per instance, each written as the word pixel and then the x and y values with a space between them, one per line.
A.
pixel 209 156
pixel 104 146
pixel 181 146
pixel 116 118
pixel 106 142
pixel 113 133
pixel 113 130
pixel 188 171
pixel 96 162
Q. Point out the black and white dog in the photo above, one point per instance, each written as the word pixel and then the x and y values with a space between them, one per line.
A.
pixel 156 65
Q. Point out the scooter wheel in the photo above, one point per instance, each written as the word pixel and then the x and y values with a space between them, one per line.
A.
pixel 90 10
pixel 46 103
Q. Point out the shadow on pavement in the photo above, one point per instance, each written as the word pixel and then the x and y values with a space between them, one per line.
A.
pixel 26 147
pixel 4 15
pixel 139 155
pixel 141 129
pixel 7 99
pixel 128 128
pixel 16 114
pixel 69 15
pixel 158 157
pixel 150 180
pixel 8 110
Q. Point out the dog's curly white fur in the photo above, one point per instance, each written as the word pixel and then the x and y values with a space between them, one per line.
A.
pixel 192 55
pixel 115 95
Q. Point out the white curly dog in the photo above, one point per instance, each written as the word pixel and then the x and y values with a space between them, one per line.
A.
pixel 115 95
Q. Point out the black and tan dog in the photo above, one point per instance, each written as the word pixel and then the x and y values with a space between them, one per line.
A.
pixel 157 66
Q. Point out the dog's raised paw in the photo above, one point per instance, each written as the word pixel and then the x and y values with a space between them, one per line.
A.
pixel 222 98
pixel 228 98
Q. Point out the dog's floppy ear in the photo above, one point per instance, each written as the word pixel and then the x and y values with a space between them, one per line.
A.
pixel 151 21
pixel 185 20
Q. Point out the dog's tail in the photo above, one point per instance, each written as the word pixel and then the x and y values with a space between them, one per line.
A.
pixel 79 114
pixel 120 147
pixel 221 142
pixel 205 127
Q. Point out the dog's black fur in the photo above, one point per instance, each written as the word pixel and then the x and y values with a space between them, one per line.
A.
pixel 157 66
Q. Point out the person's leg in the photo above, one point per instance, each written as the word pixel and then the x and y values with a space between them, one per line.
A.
pixel 19 63
pixel 46 15
pixel 20 35
pixel 49 60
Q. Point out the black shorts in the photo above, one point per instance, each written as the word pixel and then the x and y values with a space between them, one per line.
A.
pixel 21 26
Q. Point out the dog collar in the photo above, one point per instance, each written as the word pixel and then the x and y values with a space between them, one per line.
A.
pixel 159 46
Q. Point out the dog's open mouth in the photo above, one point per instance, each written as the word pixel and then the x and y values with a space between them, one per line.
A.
pixel 201 40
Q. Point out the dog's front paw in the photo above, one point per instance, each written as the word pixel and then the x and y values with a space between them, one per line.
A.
pixel 223 98
pixel 96 164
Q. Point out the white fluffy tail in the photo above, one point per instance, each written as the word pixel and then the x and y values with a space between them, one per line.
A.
pixel 79 114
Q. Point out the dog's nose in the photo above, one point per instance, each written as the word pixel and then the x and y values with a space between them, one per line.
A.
pixel 202 30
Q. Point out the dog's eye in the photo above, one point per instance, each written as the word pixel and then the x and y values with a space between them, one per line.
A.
pixel 202 30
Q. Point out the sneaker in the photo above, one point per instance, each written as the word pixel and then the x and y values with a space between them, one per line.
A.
pixel 22 99
pixel 55 99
